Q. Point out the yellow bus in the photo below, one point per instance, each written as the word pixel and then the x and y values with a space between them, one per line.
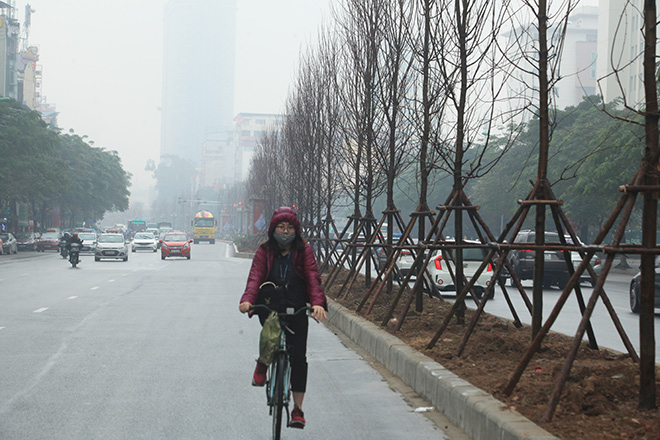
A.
pixel 204 226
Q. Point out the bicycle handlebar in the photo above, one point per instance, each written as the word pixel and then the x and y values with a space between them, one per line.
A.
pixel 289 310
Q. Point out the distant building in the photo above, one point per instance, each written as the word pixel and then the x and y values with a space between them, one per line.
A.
pixel 198 74
pixel 217 169
pixel 248 128
pixel 29 77
pixel 577 68
pixel 620 47
pixel 9 39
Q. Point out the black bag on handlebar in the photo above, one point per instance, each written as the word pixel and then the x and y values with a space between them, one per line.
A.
pixel 273 296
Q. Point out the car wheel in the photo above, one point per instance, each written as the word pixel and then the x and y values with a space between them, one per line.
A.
pixel 562 281
pixel 188 257
pixel 155 250
pixel 162 257
pixel 97 259
pixel 478 291
pixel 125 258
pixel 634 297
pixel 133 250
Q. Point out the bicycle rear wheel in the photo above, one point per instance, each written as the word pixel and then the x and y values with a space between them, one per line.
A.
pixel 278 394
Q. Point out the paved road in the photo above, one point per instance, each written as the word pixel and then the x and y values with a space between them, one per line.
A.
pixel 151 349
pixel 616 288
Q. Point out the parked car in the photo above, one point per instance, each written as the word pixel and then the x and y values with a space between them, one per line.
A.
pixel 27 241
pixel 144 241
pixel 635 289
pixel 439 266
pixel 576 259
pixel 175 244
pixel 89 242
pixel 522 260
pixel 49 240
pixel 9 243
pixel 111 246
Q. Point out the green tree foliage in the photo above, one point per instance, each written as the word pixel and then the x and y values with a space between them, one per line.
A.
pixel 95 181
pixel 29 155
pixel 41 167
pixel 591 155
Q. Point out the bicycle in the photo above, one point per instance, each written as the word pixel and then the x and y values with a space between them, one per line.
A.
pixel 278 386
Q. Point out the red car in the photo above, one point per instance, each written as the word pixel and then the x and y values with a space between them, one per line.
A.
pixel 49 240
pixel 175 244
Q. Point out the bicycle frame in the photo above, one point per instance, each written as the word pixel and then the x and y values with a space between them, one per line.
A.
pixel 278 385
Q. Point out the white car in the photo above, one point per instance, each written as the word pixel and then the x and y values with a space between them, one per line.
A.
pixel 144 241
pixel 576 259
pixel 438 269
pixel 89 242
pixel 111 245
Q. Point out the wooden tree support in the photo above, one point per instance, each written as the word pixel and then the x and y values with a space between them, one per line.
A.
pixel 625 204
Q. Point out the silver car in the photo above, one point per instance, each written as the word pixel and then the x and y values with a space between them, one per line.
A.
pixel 89 242
pixel 144 241
pixel 111 246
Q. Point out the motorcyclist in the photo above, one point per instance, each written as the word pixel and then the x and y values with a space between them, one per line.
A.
pixel 65 240
pixel 74 239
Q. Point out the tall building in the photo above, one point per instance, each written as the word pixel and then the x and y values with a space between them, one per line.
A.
pixel 9 40
pixel 620 47
pixel 577 65
pixel 198 74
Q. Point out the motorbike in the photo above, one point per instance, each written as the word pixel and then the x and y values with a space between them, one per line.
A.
pixel 74 254
pixel 63 251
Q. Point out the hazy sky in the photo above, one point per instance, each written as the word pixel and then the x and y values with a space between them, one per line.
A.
pixel 102 66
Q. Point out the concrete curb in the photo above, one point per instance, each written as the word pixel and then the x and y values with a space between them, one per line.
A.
pixel 477 413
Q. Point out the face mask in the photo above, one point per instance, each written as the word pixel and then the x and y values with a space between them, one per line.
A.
pixel 284 239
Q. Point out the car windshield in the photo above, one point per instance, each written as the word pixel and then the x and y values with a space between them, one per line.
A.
pixel 144 236
pixel 175 237
pixel 23 235
pixel 4 237
pixel 111 239
pixel 50 235
pixel 90 237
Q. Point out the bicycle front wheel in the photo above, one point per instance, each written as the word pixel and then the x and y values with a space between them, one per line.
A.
pixel 278 394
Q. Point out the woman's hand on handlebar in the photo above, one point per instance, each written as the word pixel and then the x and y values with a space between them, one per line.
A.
pixel 244 307
pixel 318 313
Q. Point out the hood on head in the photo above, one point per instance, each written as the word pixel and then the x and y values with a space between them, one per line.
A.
pixel 284 214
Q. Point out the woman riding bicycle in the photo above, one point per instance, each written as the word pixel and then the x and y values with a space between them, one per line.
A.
pixel 286 260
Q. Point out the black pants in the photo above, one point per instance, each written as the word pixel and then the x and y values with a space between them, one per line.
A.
pixel 297 343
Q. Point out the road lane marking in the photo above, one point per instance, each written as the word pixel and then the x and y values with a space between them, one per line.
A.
pixel 43 309
pixel 72 297
pixel 111 281
pixel 1 328
pixel 94 288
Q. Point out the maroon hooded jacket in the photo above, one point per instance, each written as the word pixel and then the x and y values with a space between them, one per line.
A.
pixel 304 263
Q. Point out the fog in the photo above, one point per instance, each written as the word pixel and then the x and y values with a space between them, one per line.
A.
pixel 102 67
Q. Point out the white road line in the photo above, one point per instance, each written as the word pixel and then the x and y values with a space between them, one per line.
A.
pixel 43 309
pixel 72 297
pixel 1 328
pixel 111 281
pixel 94 288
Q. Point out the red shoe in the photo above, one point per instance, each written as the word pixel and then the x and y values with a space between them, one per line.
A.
pixel 297 419
pixel 259 376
